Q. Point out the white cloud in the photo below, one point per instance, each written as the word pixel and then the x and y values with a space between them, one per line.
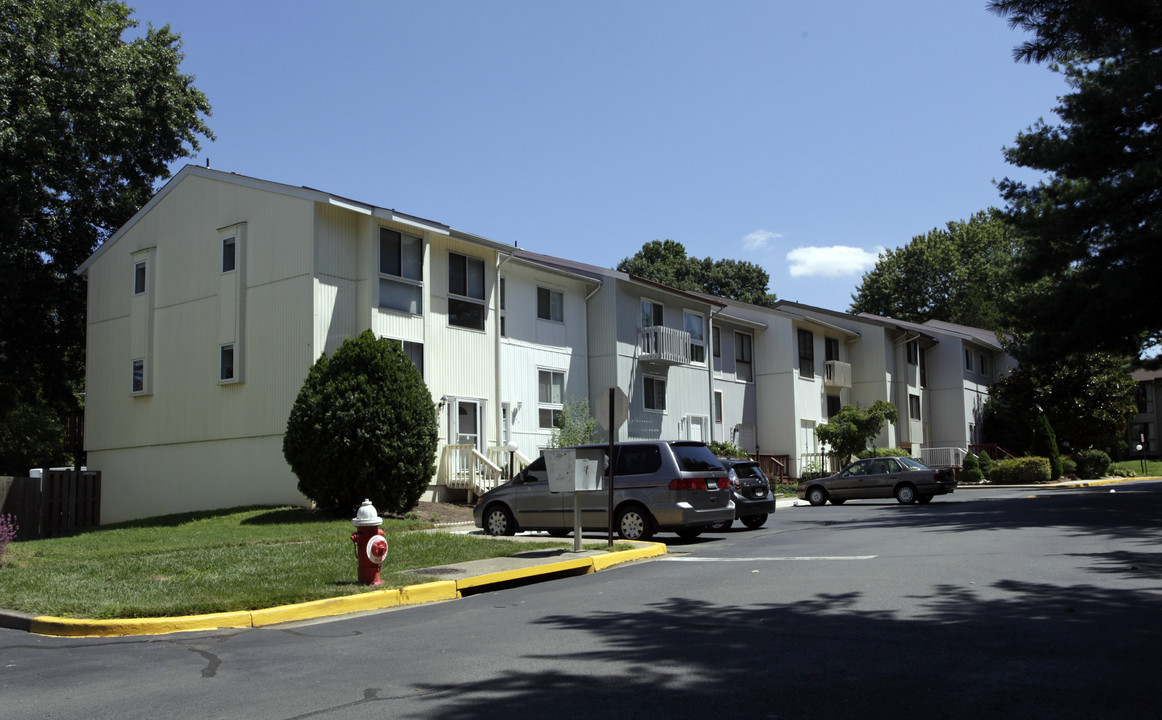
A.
pixel 759 239
pixel 834 261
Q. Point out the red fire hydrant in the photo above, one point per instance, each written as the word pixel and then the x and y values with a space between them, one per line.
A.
pixel 370 544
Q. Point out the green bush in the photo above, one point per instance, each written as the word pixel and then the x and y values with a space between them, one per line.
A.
pixel 721 448
pixel 986 465
pixel 1092 464
pixel 970 470
pixel 883 452
pixel 1068 466
pixel 363 426
pixel 1045 445
pixel 1021 471
pixel 812 471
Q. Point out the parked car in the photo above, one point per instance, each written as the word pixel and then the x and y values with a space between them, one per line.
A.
pixel 751 492
pixel 658 486
pixel 904 478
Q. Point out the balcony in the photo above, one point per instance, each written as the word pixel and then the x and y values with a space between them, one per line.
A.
pixel 663 345
pixel 837 374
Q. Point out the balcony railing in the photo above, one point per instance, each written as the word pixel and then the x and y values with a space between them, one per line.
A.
pixel 663 345
pixel 837 374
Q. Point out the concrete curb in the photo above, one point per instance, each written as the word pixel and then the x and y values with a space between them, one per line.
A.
pixel 372 600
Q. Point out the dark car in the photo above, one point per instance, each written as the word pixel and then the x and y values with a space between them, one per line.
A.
pixel 676 486
pixel 751 492
pixel 904 478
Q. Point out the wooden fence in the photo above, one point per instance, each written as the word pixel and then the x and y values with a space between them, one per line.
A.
pixel 59 503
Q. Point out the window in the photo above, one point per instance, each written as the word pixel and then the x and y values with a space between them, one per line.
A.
pixel 414 351
pixel 139 278
pixel 831 349
pixel 651 313
pixel 550 395
pixel 694 325
pixel 550 305
pixel 716 341
pixel 229 254
pixel 742 357
pixel 968 359
pixel 718 406
pixel 226 362
pixel 1144 399
pixel 401 272
pixel 913 352
pixel 137 381
pixel 655 393
pixel 806 354
pixel 984 364
pixel 465 291
pixel 833 406
pixel 923 369
pixel 914 407
pixel 503 307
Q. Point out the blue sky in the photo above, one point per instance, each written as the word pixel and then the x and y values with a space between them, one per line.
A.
pixel 803 136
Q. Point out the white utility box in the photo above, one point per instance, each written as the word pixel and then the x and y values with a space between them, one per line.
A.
pixel 575 469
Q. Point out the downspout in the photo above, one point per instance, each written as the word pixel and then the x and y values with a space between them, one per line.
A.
pixel 497 419
pixel 710 368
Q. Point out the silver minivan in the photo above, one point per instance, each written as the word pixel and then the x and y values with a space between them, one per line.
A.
pixel 658 486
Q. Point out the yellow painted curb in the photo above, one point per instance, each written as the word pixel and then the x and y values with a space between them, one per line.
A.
pixel 373 600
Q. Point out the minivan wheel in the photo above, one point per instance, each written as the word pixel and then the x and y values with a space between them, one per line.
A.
pixel 817 496
pixel 906 494
pixel 634 523
pixel 498 521
pixel 754 522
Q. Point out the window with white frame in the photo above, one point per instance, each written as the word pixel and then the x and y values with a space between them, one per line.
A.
pixel 968 359
pixel 806 354
pixel 229 254
pixel 718 406
pixel 226 363
pixel 139 278
pixel 914 407
pixel 414 351
pixel 695 325
pixel 504 307
pixel 984 364
pixel 743 356
pixel 550 397
pixel 401 272
pixel 137 376
pixel 654 397
pixel 550 305
pixel 651 314
pixel 465 291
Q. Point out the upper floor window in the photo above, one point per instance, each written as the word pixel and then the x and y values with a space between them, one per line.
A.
pixel 913 352
pixel 137 377
pixel 694 325
pixel 139 278
pixel 743 356
pixel 465 291
pixel 226 363
pixel 229 254
pixel 968 359
pixel 401 272
pixel 831 349
pixel 716 341
pixel 651 313
pixel 914 407
pixel 984 364
pixel 504 307
pixel 806 354
pixel 550 305
pixel 550 396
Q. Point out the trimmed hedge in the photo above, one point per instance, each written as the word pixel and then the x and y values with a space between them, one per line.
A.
pixel 1022 471
pixel 1092 464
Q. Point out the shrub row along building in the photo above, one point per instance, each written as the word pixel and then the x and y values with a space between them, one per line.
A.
pixel 206 310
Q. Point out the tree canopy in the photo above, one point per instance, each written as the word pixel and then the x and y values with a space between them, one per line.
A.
pixel 88 122
pixel 959 274
pixel 851 429
pixel 1092 227
pixel 666 262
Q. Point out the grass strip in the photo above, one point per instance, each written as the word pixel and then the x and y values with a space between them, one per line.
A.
pixel 220 561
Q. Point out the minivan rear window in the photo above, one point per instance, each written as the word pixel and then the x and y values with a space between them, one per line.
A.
pixel 695 458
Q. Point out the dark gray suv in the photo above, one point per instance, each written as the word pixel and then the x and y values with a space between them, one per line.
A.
pixel 659 486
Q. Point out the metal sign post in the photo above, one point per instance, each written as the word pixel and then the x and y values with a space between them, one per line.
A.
pixel 611 418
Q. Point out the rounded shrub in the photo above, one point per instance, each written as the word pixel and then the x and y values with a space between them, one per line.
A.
pixel 1021 471
pixel 363 427
pixel 1092 464
pixel 970 469
pixel 986 465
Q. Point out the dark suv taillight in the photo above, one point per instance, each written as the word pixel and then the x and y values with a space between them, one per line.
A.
pixel 699 483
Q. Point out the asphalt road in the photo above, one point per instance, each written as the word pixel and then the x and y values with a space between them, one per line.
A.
pixel 985 604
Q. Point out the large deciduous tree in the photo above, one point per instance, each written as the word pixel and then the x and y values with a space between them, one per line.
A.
pixel 666 262
pixel 1093 226
pixel 89 119
pixel 958 274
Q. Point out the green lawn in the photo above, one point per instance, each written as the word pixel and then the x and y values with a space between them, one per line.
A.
pixel 1153 467
pixel 239 559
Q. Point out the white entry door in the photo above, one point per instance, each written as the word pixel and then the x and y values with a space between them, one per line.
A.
pixel 466 425
pixel 696 428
